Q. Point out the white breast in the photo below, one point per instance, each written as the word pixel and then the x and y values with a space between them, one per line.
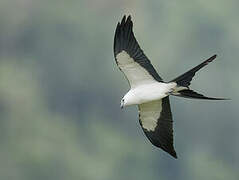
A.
pixel 148 92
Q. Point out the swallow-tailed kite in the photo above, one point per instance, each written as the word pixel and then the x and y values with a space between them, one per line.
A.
pixel 147 88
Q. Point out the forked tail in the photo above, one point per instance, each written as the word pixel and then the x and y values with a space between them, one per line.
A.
pixel 185 79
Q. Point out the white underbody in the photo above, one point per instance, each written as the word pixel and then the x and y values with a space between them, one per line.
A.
pixel 145 90
pixel 148 92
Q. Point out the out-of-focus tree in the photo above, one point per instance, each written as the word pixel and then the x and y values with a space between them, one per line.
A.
pixel 60 90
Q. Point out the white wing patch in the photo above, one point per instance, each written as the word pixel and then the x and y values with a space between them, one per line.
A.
pixel 135 73
pixel 149 114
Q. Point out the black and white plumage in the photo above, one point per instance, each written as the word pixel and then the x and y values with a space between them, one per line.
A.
pixel 148 90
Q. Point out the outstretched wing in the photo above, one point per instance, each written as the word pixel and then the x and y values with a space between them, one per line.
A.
pixel 156 120
pixel 130 57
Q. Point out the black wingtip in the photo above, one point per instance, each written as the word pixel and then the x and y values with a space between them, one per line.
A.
pixel 174 154
pixel 126 19
pixel 124 38
pixel 129 17
pixel 123 19
pixel 170 151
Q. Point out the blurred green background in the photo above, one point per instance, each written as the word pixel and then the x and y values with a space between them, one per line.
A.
pixel 60 90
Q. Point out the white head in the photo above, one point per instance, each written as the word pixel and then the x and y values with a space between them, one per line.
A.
pixel 122 103
pixel 128 99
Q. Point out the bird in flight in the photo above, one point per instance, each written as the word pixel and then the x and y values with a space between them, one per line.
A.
pixel 147 88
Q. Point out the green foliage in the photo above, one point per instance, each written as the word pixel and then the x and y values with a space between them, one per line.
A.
pixel 60 90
